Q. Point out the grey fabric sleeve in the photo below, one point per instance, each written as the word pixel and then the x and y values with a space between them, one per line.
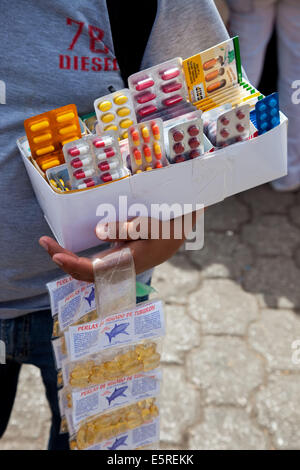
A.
pixel 183 28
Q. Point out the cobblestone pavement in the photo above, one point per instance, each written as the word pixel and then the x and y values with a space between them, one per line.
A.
pixel 233 312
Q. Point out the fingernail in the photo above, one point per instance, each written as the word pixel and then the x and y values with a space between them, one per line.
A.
pixel 58 262
pixel 102 232
pixel 43 244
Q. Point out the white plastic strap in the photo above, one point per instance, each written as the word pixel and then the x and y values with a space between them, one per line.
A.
pixel 115 282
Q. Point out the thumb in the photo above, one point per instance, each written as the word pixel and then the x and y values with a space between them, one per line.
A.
pixel 135 229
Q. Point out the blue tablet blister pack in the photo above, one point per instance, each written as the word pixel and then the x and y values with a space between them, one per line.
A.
pixel 267 113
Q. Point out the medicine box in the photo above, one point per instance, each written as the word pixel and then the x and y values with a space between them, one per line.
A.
pixel 208 179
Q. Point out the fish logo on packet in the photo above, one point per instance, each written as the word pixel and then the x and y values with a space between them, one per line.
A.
pixel 117 330
pixel 91 297
pixel 118 392
pixel 121 441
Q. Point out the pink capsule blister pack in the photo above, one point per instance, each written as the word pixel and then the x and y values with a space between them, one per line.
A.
pixel 231 126
pixel 115 112
pixel 157 88
pixel 185 140
pixel 146 146
pixel 94 160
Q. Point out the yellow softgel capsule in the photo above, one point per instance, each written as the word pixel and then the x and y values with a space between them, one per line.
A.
pixel 125 135
pixel 134 368
pixel 154 410
pixel 42 138
pixel 120 99
pixel 67 129
pixel 123 112
pixel 121 427
pixel 146 414
pixel 111 127
pixel 125 123
pixel 65 117
pixel 81 438
pixel 45 150
pixel 39 126
pixel 134 420
pixel 157 149
pixel 105 106
pixel 71 139
pixel 108 117
pixel 152 362
pixel 149 168
pixel 145 134
pixel 50 163
pixel 81 383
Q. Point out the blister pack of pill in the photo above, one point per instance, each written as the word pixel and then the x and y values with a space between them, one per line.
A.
pixel 267 113
pixel 231 126
pixel 94 160
pixel 58 178
pixel 185 140
pixel 112 394
pixel 115 112
pixel 48 132
pixel 146 146
pixel 157 88
pixel 175 111
pixel 113 364
pixel 105 426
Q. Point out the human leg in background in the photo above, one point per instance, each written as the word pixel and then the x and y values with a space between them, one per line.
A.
pixel 9 374
pixel 288 34
pixel 254 24
pixel 41 355
pixel 28 341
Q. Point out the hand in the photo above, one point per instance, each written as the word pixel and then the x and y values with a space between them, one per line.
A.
pixel 146 252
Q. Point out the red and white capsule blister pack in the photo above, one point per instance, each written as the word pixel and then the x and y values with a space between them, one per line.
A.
pixel 94 160
pixel 158 88
pixel 230 127
pixel 115 112
pixel 185 140
pixel 146 146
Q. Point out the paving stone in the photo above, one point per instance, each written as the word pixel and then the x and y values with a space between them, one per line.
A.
pixel 295 214
pixel 182 334
pixel 167 446
pixel 222 307
pixel 273 336
pixel 263 200
pixel 271 235
pixel 29 423
pixel 180 405
pixel 227 429
pixel 223 255
pixel 225 369
pixel 226 215
pixel 278 409
pixel 176 278
pixel 275 281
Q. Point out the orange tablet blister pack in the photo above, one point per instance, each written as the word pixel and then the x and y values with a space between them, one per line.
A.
pixel 48 132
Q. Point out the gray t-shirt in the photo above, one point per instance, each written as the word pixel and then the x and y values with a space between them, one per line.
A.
pixel 54 53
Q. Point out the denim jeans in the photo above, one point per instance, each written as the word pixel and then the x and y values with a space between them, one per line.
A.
pixel 28 341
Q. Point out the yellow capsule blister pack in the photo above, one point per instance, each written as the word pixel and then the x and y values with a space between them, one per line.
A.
pixel 107 425
pixel 115 112
pixel 113 364
pixel 48 132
